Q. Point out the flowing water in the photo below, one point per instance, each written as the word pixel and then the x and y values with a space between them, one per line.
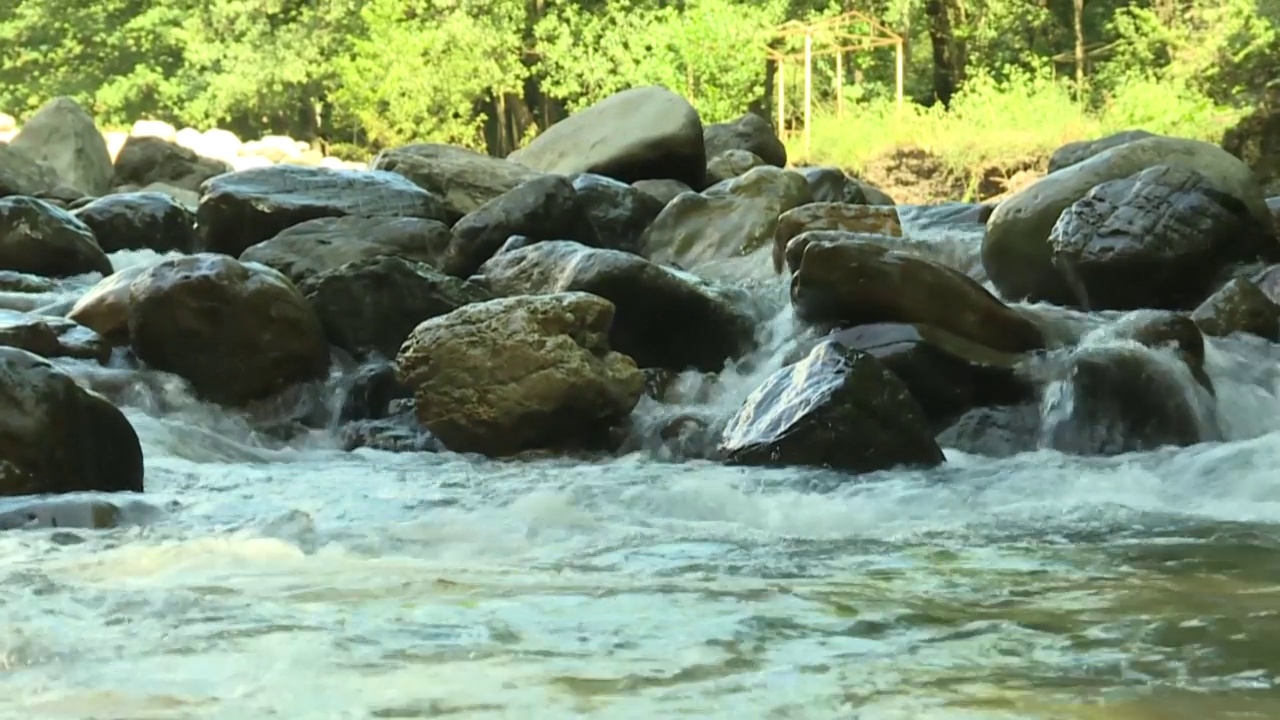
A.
pixel 257 580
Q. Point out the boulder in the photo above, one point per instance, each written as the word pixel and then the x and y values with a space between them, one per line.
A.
pixel 105 308
pixel 144 160
pixel 619 212
pixel 1015 250
pixel 846 284
pixel 51 336
pixel 521 373
pixel 1156 239
pixel 1239 306
pixel 463 179
pixel 748 133
pixel 237 331
pixel 372 305
pixel 831 185
pixel 140 221
pixel 1174 332
pixel 730 164
pixel 324 244
pixel 545 208
pixel 737 219
pixel 637 134
pixel 371 391
pixel 241 209
pixel 1081 150
pixel 663 318
pixel 874 219
pixel 664 191
pixel 38 238
pixel 836 408
pixel 63 137
pixel 21 175
pixel 57 437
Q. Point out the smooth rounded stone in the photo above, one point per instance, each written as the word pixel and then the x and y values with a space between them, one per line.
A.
pixel 57 437
pixel 1110 400
pixel 731 220
pixel 462 178
pixel 316 246
pixel 730 164
pixel 52 337
pixel 521 373
pixel 144 160
pixel 62 136
pixel 619 212
pixel 16 282
pixel 241 209
pixel 21 175
pixel 545 208
pixel 837 408
pixel 636 134
pixel 1239 306
pixel 140 221
pixel 872 219
pixel 105 308
pixel 236 331
pixel 1081 150
pixel 1000 431
pixel 749 133
pixel 40 239
pixel 1156 239
pixel 798 244
pixel 1016 251
pixel 853 283
pixel 370 391
pixel 371 305
pixel 80 514
pixel 663 317
pixel 664 191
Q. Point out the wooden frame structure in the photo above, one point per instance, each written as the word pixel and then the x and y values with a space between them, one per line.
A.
pixel 834 33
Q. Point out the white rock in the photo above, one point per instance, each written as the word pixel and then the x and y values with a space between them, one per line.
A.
pixel 154 128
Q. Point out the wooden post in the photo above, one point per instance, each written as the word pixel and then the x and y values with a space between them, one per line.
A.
pixel 899 59
pixel 808 88
pixel 782 97
pixel 839 83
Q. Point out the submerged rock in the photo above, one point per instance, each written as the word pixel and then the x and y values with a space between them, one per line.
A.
pixel 80 514
pixel 38 238
pixel 140 221
pixel 837 408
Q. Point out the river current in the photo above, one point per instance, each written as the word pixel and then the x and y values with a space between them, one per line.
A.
pixel 257 580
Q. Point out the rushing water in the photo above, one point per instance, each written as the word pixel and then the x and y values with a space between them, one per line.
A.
pixel 261 581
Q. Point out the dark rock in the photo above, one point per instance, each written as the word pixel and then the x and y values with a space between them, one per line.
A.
pixel 619 212
pixel 1001 431
pixel 316 246
pixel 1081 150
pixel 463 179
pixel 398 433
pixel 664 191
pixel 40 239
pixel 1239 306
pixel 731 164
pixel 831 185
pixel 749 133
pixel 373 389
pixel 143 160
pixel 1162 329
pixel 140 221
pixel 51 337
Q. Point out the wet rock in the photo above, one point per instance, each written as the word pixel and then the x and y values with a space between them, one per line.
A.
pixel 1268 281
pixel 63 137
pixel 748 133
pixel 557 385
pixel 1081 150
pixel 105 308
pixel 144 160
pixel 399 434
pixel 663 318
pixel 316 246
pixel 799 243
pixel 51 337
pixel 372 305
pixel 40 239
pixel 463 179
pixel 1153 240
pixel 545 208
pixel 236 331
pixel 21 175
pixel 873 219
pixel 730 164
pixel 637 134
pixel 837 408
pixel 242 209
pixel 82 514
pixel 1002 431
pixel 734 220
pixel 619 212
pixel 140 221
pixel 373 388
pixel 57 437
pixel 1239 306
pixel 1165 330
pixel 850 283
pixel 1016 251
pixel 663 190
pixel 16 282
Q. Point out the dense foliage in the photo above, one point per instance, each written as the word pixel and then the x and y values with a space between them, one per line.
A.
pixel 373 73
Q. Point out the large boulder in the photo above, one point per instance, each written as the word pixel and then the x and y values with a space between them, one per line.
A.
pixel 664 318
pixel 836 408
pixel 50 336
pixel 845 284
pixel 324 244
pixel 371 305
pixel 544 208
pixel 1015 250
pixel 637 134
pixel 462 178
pixel 521 373
pixel 1157 239
pixel 57 437
pixel 619 212
pixel 63 137
pixel 749 133
pixel 1081 150
pixel 140 221
pixel 241 209
pixel 21 175
pixel 869 219
pixel 38 238
pixel 144 160
pixel 236 331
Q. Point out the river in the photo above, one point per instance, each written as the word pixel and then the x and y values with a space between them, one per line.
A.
pixel 260 580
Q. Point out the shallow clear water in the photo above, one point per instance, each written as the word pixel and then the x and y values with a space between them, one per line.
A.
pixel 305 582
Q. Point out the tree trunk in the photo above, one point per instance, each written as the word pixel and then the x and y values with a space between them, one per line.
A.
pixel 1077 20
pixel 944 80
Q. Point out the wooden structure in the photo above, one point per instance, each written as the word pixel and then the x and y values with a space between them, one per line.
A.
pixel 845 33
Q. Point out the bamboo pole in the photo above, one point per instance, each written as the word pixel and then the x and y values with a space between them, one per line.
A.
pixel 808 88
pixel 782 98
pixel 840 84
pixel 899 63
